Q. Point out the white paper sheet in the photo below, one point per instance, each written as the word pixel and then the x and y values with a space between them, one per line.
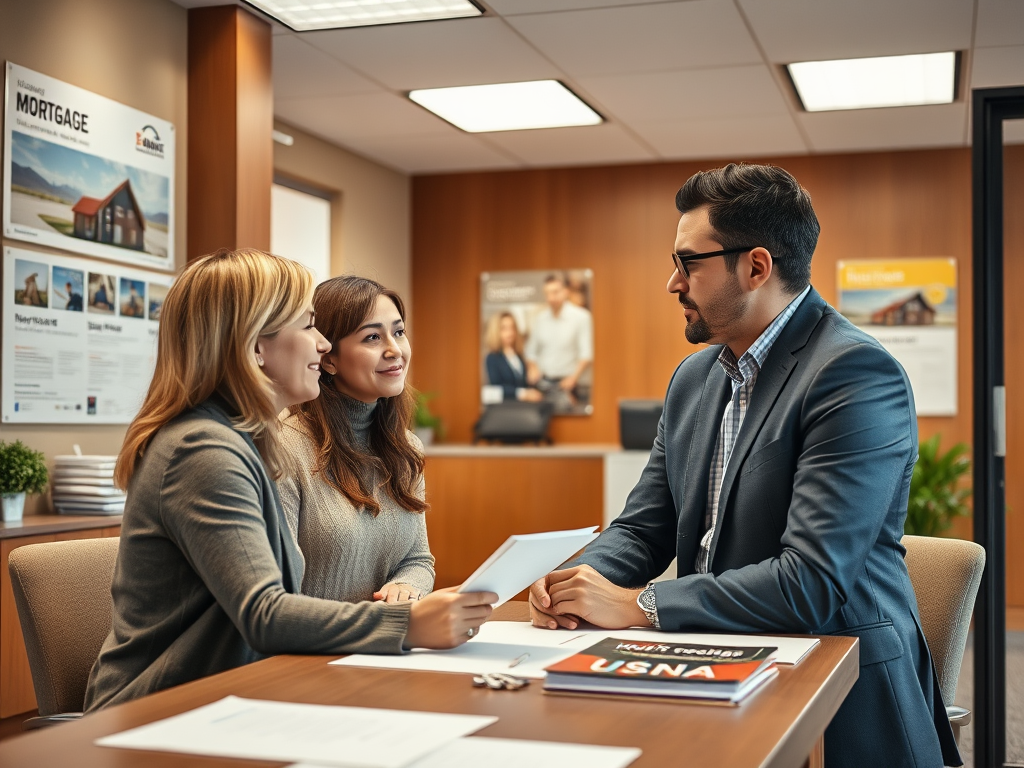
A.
pixel 499 643
pixel 523 559
pixel 270 730
pixel 516 753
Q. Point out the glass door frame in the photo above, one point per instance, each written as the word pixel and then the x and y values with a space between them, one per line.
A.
pixel 991 106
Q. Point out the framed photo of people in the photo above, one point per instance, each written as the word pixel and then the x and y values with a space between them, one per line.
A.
pixel 86 174
pixel 537 338
pixel 79 338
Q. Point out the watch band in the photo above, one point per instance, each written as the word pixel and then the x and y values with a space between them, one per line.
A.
pixel 649 605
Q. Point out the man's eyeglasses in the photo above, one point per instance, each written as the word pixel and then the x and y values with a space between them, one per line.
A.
pixel 681 261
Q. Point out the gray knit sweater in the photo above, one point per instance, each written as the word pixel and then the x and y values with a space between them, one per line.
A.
pixel 349 552
pixel 208 574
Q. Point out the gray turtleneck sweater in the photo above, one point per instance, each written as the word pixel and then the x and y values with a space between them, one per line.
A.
pixel 349 553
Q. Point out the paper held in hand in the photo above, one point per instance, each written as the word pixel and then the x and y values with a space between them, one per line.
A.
pixel 523 559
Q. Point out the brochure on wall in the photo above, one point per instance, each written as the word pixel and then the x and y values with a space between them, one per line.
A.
pixel 909 305
pixel 87 174
pixel 79 338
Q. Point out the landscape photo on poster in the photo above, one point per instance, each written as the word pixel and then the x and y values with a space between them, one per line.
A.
pixel 83 196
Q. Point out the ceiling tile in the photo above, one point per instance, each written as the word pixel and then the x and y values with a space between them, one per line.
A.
pixel 809 30
pixel 589 145
pixel 699 94
pixel 433 153
pixel 992 67
pixel 643 38
pixel 941 125
pixel 343 118
pixel 1000 22
pixel 437 53
pixel 300 70
pixel 519 7
pixel 728 139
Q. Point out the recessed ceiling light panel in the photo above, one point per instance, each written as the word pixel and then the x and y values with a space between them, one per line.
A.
pixel 507 106
pixel 306 15
pixel 886 81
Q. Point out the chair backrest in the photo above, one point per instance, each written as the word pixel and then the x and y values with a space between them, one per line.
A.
pixel 62 590
pixel 946 574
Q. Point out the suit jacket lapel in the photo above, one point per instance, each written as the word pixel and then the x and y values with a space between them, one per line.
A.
pixel 706 424
pixel 778 367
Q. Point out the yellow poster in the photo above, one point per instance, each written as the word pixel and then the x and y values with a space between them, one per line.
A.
pixel 909 305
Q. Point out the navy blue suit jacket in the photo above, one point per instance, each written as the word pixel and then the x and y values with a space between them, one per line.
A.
pixel 502 374
pixel 810 518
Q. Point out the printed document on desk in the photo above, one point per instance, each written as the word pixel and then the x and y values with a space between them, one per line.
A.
pixel 515 753
pixel 272 730
pixel 523 559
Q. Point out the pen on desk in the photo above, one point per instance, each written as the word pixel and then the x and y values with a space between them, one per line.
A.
pixel 569 639
pixel 518 660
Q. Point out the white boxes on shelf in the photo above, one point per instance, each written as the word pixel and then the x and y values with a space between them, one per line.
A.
pixel 84 485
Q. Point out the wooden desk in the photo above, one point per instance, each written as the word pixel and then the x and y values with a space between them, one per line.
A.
pixel 16 692
pixel 779 726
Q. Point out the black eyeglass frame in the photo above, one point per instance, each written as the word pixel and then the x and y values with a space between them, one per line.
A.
pixel 681 261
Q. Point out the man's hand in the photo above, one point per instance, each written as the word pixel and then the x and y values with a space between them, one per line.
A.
pixel 532 373
pixel 396 593
pixel 581 591
pixel 541 612
pixel 568 383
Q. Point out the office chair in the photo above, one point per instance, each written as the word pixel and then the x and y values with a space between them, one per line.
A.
pixel 62 590
pixel 946 574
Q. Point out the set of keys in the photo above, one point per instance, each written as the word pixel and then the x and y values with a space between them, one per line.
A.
pixel 497 681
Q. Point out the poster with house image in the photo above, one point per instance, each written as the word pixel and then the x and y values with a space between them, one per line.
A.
pixel 910 306
pixel 62 365
pixel 86 174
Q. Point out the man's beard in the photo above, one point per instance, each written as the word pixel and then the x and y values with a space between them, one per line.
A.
pixel 724 308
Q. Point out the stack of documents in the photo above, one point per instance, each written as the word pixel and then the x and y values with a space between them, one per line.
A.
pixel 84 485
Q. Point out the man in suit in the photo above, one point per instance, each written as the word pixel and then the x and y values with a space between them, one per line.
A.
pixel 779 477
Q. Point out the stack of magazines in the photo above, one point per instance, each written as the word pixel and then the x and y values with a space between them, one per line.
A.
pixel 714 673
pixel 84 485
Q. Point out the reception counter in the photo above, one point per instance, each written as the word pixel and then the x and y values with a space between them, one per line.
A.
pixel 481 495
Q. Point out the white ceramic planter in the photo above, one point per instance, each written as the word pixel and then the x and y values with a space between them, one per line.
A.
pixel 425 434
pixel 14 506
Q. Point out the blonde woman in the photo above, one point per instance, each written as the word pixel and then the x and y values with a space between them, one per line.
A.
pixel 505 365
pixel 208 575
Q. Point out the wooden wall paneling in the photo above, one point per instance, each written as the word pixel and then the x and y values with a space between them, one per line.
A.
pixel 230 118
pixel 620 221
pixel 16 691
pixel 478 502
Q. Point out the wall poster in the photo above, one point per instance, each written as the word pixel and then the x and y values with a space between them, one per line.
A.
pixel 79 338
pixel 86 174
pixel 537 338
pixel 909 305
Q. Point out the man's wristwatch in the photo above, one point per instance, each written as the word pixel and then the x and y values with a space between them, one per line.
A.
pixel 649 605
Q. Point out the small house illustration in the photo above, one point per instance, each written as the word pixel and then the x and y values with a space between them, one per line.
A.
pixel 115 219
pixel 913 310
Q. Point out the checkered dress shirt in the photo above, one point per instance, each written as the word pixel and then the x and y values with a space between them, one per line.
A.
pixel 743 373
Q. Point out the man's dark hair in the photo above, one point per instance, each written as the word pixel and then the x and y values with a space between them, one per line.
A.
pixel 758 205
pixel 557 277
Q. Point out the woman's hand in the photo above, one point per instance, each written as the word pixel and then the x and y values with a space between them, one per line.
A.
pixel 444 618
pixel 396 593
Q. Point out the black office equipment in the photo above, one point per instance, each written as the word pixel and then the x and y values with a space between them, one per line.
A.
pixel 638 423
pixel 514 422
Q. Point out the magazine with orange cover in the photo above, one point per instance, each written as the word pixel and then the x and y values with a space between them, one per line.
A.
pixel 655 668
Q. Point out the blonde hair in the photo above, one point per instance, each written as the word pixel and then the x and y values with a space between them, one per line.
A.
pixel 493 336
pixel 211 319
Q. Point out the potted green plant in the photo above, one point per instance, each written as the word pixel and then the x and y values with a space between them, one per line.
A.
pixel 22 471
pixel 936 495
pixel 426 425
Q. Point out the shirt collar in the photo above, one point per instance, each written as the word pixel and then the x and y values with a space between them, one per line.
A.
pixel 750 362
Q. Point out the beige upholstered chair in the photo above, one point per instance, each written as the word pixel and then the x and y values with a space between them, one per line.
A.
pixel 946 574
pixel 62 591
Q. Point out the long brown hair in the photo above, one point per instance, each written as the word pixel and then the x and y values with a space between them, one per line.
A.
pixel 342 304
pixel 212 316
